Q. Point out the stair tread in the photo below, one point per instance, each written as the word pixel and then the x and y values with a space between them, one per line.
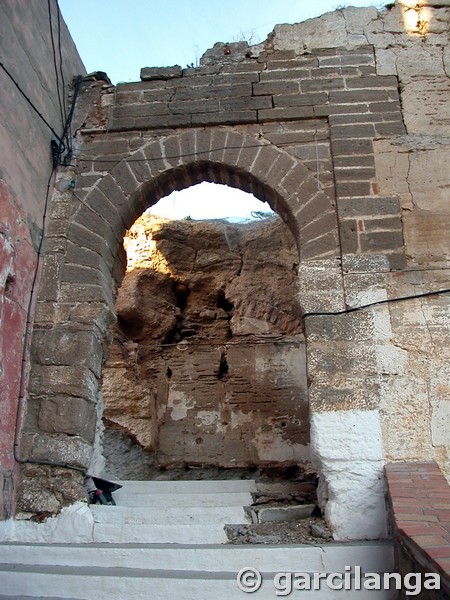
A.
pixel 214 557
pixel 194 486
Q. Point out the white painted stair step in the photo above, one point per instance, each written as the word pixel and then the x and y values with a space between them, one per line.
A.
pixel 119 584
pixel 124 498
pixel 370 556
pixel 154 533
pixel 191 486
pixel 169 515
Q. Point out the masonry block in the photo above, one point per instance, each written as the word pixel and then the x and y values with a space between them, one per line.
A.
pixel 387 81
pixel 376 206
pixel 100 204
pixel 50 278
pixel 86 293
pixel 327 222
pixel 91 220
pixel 353 188
pixel 59 448
pixel 349 236
pixel 67 380
pixel 69 415
pixel 68 346
pixel 124 177
pixel 252 103
pixel 317 85
pixel 191 107
pixel 352 131
pixel 310 208
pixel 351 146
pixel 274 88
pixel 164 73
pixel 305 99
pixel 358 96
pixel 139 166
pixel 381 240
pixel 225 118
pixel 285 113
pixel 285 75
pixel 43 489
pixel 148 109
pixel 390 128
pixel 325 246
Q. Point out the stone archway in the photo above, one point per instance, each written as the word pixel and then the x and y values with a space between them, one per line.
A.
pixel 84 259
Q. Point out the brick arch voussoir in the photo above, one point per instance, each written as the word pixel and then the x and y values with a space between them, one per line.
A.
pixel 226 156
pixel 98 236
pixel 309 211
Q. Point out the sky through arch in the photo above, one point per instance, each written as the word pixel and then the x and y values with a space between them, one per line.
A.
pixel 210 201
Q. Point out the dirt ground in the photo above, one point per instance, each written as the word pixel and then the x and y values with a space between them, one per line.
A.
pixel 304 531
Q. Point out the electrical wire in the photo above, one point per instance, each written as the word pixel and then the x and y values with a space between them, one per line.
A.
pixel 58 90
pixel 122 338
pixel 61 67
pixel 378 303
pixel 68 155
pixel 39 114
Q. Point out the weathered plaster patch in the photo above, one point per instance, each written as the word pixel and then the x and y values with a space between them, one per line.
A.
pixel 343 28
pixel 270 446
pixel 239 418
pixel 180 403
pixel 209 418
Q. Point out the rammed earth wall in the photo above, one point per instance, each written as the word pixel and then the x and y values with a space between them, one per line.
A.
pixel 340 124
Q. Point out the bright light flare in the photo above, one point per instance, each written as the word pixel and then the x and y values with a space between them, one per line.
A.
pixel 416 17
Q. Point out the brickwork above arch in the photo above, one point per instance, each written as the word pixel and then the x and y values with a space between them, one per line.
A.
pixel 324 108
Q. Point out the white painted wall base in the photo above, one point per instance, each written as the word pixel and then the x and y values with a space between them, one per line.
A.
pixel 74 524
pixel 347 452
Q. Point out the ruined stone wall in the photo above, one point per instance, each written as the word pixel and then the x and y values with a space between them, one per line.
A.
pixel 208 364
pixel 25 169
pixel 333 122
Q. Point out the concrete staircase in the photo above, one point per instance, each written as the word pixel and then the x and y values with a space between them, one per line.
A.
pixel 165 540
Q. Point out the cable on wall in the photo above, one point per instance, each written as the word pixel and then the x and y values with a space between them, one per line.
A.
pixel 378 303
pixel 31 104
pixel 58 89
